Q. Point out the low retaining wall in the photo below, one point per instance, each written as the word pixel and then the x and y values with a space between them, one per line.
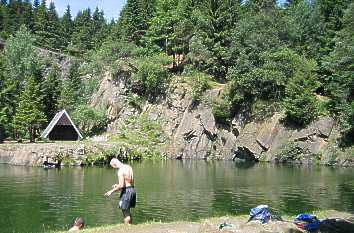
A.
pixel 37 154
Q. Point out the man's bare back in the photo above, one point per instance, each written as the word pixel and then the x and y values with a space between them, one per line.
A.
pixel 127 176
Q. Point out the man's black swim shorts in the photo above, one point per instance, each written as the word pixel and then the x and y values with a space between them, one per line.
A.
pixel 127 198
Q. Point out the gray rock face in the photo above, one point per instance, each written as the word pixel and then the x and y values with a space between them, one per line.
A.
pixel 197 135
pixel 325 126
pixel 193 133
pixel 268 131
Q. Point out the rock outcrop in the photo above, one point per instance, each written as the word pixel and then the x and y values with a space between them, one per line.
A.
pixel 190 131
pixel 193 132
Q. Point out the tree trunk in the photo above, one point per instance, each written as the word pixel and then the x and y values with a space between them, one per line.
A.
pixel 2 133
pixel 31 132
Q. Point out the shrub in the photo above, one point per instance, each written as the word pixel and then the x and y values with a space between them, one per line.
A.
pixel 135 101
pixel 222 111
pixel 89 120
pixel 300 104
pixel 288 151
pixel 108 54
pixel 151 79
pixel 200 85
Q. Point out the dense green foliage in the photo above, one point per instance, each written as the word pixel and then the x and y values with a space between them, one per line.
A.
pixel 86 31
pixel 29 112
pixel 150 78
pixel 89 120
pixel 297 57
pixel 288 151
pixel 200 85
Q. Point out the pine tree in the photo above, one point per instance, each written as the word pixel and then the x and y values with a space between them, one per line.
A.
pixel 53 28
pixel 81 39
pixel 20 60
pixel 27 15
pixel 340 69
pixel 12 20
pixel 2 17
pixel 132 21
pixel 40 26
pixel 304 27
pixel 300 103
pixel 331 11
pixel 148 8
pixel 66 28
pixel 99 29
pixel 290 3
pixel 71 90
pixel 261 5
pixel 214 22
pixel 29 112
pixel 51 89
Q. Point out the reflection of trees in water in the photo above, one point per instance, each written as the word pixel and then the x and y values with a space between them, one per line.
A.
pixel 346 194
pixel 178 191
pixel 244 165
pixel 168 190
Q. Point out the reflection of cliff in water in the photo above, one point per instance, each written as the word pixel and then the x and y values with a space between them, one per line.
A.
pixel 168 191
pixel 346 193
pixel 244 164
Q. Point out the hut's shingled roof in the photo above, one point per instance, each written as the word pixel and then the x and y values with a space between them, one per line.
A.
pixel 61 118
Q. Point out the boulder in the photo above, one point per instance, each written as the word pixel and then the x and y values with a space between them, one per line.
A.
pixel 246 141
pixel 324 126
pixel 314 146
pixel 207 121
pixel 282 136
pixel 303 134
pixel 227 144
pixel 268 131
pixel 244 153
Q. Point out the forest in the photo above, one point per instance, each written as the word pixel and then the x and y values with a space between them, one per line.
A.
pixel 296 57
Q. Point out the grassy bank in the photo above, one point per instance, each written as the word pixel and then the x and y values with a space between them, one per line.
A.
pixel 345 224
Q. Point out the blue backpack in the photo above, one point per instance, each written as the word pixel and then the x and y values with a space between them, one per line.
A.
pixel 307 222
pixel 261 213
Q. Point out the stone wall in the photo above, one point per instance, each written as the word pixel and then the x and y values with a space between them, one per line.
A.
pixel 37 154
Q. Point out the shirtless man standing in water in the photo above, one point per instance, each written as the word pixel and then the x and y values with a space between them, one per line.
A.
pixel 126 185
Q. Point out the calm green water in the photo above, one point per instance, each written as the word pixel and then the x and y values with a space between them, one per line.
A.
pixel 39 200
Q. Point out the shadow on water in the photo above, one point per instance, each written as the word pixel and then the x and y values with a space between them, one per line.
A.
pixel 244 164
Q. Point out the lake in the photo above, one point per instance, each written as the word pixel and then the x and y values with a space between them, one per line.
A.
pixel 39 200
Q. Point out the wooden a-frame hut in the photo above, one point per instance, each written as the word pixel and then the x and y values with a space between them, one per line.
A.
pixel 62 128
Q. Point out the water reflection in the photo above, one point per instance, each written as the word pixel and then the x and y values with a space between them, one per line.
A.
pixel 36 199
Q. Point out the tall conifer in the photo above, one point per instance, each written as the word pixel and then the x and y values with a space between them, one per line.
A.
pixel 29 112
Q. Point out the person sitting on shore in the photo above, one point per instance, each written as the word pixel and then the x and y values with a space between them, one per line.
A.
pixel 79 224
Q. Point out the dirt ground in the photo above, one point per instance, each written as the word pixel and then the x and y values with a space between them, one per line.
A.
pixel 340 223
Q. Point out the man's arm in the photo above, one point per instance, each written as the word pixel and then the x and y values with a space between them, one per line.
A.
pixel 116 187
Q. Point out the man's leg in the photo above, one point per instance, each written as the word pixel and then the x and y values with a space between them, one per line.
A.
pixel 127 217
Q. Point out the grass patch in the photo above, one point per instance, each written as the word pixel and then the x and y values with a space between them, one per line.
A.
pixel 143 134
pixel 196 226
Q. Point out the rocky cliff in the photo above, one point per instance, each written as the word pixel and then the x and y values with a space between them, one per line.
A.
pixel 192 132
pixel 178 127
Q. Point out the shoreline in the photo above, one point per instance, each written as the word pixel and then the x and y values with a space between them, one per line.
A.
pixel 341 220
pixel 84 153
